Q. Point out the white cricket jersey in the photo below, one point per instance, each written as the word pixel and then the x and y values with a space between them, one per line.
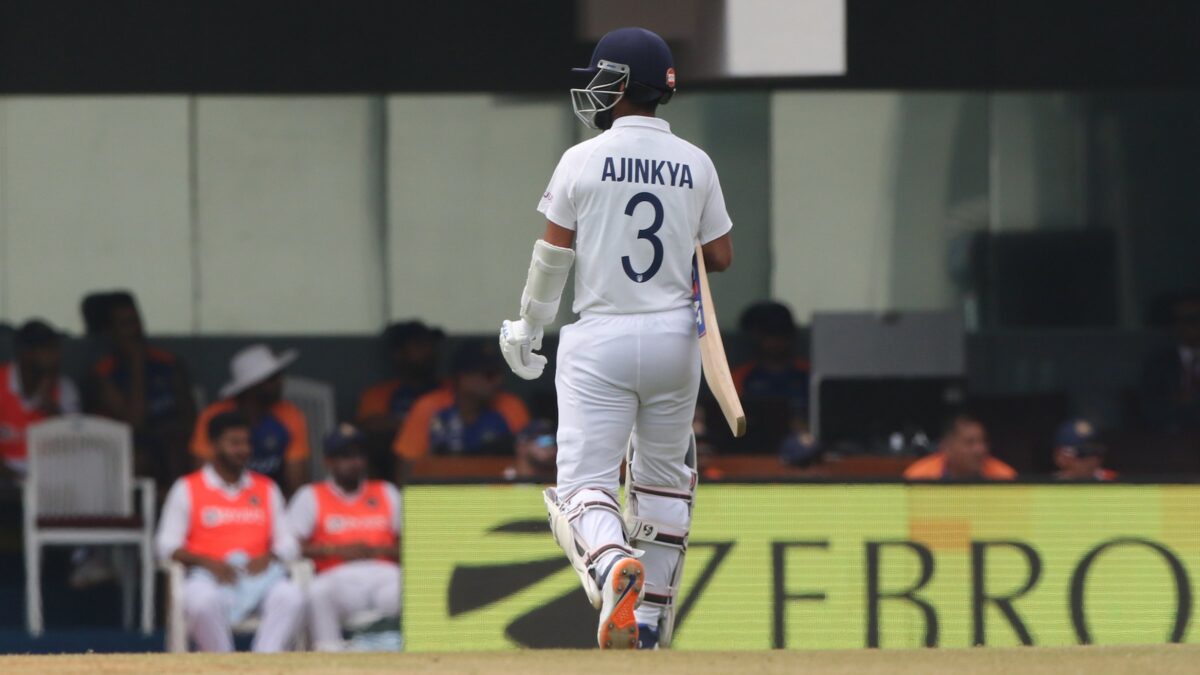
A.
pixel 639 199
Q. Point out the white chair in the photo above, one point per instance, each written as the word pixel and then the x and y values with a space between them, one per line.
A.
pixel 316 400
pixel 301 573
pixel 79 492
pixel 364 629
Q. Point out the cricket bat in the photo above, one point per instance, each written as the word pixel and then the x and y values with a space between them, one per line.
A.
pixel 712 349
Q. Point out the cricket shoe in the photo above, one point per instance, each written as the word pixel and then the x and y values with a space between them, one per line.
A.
pixel 621 593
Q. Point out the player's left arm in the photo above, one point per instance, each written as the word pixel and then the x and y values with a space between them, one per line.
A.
pixel 284 545
pixel 716 242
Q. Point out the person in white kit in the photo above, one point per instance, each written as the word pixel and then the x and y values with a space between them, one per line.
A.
pixel 227 525
pixel 633 203
pixel 350 527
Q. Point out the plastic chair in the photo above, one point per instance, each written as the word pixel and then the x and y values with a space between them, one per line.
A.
pixel 316 400
pixel 79 492
pixel 301 573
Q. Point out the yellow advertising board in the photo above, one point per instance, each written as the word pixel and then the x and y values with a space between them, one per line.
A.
pixel 821 566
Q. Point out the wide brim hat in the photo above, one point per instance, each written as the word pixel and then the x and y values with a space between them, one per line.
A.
pixel 255 364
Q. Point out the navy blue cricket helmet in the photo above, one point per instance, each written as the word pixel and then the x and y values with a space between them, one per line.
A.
pixel 632 62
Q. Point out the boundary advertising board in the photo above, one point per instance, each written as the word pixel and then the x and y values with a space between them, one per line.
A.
pixel 825 566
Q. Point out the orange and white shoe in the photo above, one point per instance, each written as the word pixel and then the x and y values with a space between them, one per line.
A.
pixel 621 593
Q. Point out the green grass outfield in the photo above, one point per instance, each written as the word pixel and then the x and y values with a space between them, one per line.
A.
pixel 1156 660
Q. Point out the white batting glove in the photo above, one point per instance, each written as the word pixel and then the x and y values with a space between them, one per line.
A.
pixel 517 341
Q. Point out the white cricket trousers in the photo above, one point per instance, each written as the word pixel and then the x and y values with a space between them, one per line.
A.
pixel 206 606
pixel 340 592
pixel 620 374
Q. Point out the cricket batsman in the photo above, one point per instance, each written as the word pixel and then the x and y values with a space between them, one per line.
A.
pixel 628 208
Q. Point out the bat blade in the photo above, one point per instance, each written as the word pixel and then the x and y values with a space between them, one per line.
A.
pixel 712 350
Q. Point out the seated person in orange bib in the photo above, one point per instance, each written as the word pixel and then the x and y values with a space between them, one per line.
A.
pixel 350 527
pixel 227 525
pixel 963 453
pixel 31 390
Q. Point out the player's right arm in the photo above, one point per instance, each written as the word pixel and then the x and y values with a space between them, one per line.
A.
pixel 557 235
pixel 552 260
pixel 539 305
pixel 223 571
pixel 172 533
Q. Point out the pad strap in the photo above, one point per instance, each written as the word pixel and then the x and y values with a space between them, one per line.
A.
pixel 660 599
pixel 648 531
pixel 662 492
pixel 591 555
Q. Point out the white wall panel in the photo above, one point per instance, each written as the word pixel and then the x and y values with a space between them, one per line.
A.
pixel 734 128
pixel 465 173
pixel 1039 149
pixel 869 191
pixel 94 194
pixel 289 218
pixel 831 199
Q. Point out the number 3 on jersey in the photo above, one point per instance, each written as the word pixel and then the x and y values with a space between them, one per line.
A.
pixel 648 235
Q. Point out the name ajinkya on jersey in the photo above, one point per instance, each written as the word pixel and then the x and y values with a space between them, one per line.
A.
pixel 648 171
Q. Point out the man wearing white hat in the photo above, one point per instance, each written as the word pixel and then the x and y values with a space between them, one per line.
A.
pixel 279 431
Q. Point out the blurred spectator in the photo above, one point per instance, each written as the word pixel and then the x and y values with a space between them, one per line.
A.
pixel 536 454
pixel 773 385
pixel 412 349
pixel 470 416
pixel 962 453
pixel 706 452
pixel 800 450
pixel 279 432
pixel 1170 385
pixel 94 309
pixel 145 387
pixel 1079 454
pixel 227 525
pixel 350 527
pixel 31 390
